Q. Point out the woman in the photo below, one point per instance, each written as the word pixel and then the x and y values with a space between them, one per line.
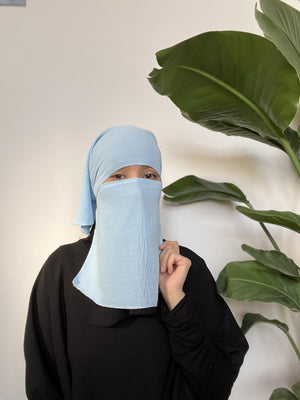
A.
pixel 120 314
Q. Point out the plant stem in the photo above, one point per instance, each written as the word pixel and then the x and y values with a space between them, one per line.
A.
pixel 270 237
pixel 291 154
pixel 297 351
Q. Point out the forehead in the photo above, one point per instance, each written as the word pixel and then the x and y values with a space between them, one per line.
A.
pixel 137 167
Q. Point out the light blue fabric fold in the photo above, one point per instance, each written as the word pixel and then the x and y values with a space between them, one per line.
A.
pixel 119 146
pixel 122 266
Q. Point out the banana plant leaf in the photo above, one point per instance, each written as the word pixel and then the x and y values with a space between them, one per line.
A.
pixel 274 259
pixel 294 139
pixel 191 188
pixel 233 82
pixel 283 394
pixel 296 389
pixel 281 24
pixel 287 219
pixel 251 319
pixel 251 281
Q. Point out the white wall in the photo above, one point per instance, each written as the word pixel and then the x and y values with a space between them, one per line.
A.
pixel 68 70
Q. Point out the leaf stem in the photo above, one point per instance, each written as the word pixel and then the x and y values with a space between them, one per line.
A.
pixel 265 229
pixel 297 351
pixel 270 237
pixel 291 154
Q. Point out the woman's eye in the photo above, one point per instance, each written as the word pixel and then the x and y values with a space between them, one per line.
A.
pixel 118 176
pixel 150 176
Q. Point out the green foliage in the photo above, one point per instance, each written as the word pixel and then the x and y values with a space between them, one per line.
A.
pixel 275 260
pixel 191 188
pixel 281 25
pixel 236 95
pixel 239 84
pixel 251 319
pixel 296 389
pixel 252 281
pixel 283 394
pixel 253 94
pixel 286 219
pixel 294 140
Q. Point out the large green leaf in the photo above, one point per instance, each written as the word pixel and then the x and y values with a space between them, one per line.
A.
pixel 274 259
pixel 191 188
pixel 287 219
pixel 283 394
pixel 232 82
pixel 296 389
pixel 251 281
pixel 281 24
pixel 251 319
pixel 294 139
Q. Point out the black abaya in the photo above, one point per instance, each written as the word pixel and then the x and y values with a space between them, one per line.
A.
pixel 77 350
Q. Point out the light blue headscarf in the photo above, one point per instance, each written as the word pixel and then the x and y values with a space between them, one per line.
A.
pixel 122 266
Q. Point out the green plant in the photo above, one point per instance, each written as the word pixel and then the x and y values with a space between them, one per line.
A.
pixel 239 84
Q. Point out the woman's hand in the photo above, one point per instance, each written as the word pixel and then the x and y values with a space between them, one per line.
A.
pixel 173 272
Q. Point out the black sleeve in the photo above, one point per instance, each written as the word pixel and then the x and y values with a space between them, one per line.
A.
pixel 207 344
pixel 47 372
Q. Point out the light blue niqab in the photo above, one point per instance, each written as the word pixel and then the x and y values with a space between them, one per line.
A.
pixel 122 266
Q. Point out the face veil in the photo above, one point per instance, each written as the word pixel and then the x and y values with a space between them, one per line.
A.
pixel 122 266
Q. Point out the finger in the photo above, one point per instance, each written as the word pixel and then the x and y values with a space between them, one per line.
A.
pixel 165 253
pixel 170 243
pixel 171 263
pixel 182 262
pixel 166 243
pixel 164 257
pixel 163 260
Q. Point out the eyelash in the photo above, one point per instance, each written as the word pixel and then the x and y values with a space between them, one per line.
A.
pixel 148 176
pixel 117 176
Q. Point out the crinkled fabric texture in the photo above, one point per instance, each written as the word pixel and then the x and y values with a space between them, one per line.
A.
pixel 122 266
pixel 125 246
